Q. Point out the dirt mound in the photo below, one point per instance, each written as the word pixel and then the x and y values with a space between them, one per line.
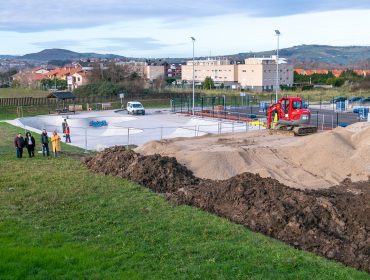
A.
pixel 318 161
pixel 160 174
pixel 334 222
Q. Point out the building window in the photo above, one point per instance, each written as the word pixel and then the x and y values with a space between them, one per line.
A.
pixel 244 71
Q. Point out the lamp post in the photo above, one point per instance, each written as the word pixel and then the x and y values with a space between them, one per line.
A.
pixel 277 32
pixel 193 40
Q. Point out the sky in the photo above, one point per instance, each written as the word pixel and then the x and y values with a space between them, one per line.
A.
pixel 162 28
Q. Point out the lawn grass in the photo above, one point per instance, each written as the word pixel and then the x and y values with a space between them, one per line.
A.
pixel 60 221
pixel 22 92
pixel 11 112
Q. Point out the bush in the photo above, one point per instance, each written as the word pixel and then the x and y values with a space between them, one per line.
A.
pixel 288 88
pixel 307 87
pixel 99 89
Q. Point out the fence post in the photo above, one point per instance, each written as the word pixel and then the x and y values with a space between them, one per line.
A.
pixel 332 121
pixel 317 118
pixel 195 130
pixel 232 127
pixel 128 137
pixel 85 140
pixel 202 106
pixel 161 132
pixel 323 121
pixel 337 118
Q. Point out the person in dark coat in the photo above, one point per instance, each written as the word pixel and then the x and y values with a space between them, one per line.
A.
pixel 19 144
pixel 45 143
pixel 30 144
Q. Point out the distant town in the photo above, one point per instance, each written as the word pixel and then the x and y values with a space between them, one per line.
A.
pixel 257 73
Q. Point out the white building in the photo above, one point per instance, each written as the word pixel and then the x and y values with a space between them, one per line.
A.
pixel 259 74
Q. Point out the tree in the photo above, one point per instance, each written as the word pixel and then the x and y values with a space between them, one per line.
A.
pixel 336 82
pixel 128 78
pixel 208 83
pixel 5 77
pixel 52 83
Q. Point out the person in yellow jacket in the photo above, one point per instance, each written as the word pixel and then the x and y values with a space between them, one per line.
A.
pixel 55 141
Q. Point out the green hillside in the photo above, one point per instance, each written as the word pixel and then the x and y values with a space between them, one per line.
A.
pixel 60 221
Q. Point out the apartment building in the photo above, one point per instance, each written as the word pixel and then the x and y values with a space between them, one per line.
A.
pixel 221 71
pixel 259 74
pixel 173 70
pixel 153 72
pixel 256 74
pixel 150 72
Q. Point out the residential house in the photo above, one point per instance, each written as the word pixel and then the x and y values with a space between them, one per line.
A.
pixel 77 79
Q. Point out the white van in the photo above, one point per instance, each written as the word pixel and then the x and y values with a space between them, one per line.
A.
pixel 135 107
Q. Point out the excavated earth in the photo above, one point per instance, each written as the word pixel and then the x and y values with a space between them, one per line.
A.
pixel 333 222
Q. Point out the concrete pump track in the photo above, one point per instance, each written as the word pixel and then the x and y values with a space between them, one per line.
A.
pixel 332 222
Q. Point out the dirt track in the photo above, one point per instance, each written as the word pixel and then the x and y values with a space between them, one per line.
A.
pixel 334 222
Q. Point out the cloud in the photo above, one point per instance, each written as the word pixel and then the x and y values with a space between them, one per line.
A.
pixel 108 44
pixel 130 44
pixel 57 44
pixel 37 15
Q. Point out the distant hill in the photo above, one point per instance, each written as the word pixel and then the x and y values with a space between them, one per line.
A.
pixel 318 56
pixel 61 54
pixel 304 56
pixel 7 56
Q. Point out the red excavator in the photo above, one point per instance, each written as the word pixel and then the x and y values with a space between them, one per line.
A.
pixel 289 115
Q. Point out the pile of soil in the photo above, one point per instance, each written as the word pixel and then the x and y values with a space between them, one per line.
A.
pixel 333 222
pixel 160 174
pixel 299 162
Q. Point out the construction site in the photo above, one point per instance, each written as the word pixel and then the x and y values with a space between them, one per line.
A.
pixel 277 173
pixel 312 191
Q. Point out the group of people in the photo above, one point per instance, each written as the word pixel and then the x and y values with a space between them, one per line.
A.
pixel 29 143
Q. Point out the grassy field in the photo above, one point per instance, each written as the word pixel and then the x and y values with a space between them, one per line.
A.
pixel 11 112
pixel 60 221
pixel 22 92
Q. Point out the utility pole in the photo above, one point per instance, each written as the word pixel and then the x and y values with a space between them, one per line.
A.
pixel 277 32
pixel 193 40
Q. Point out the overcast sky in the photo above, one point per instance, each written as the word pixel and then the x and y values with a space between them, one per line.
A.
pixel 162 28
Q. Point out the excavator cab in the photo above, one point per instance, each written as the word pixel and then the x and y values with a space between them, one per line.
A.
pixel 289 114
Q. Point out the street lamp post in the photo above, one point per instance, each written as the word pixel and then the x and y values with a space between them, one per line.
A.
pixel 277 32
pixel 193 40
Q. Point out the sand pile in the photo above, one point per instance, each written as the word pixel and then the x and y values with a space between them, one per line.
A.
pixel 317 161
pixel 334 223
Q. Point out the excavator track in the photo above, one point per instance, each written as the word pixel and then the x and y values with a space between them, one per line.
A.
pixel 304 130
pixel 294 131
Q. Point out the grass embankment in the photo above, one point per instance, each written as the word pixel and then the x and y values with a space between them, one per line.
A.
pixel 60 221
pixel 22 92
pixel 13 112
